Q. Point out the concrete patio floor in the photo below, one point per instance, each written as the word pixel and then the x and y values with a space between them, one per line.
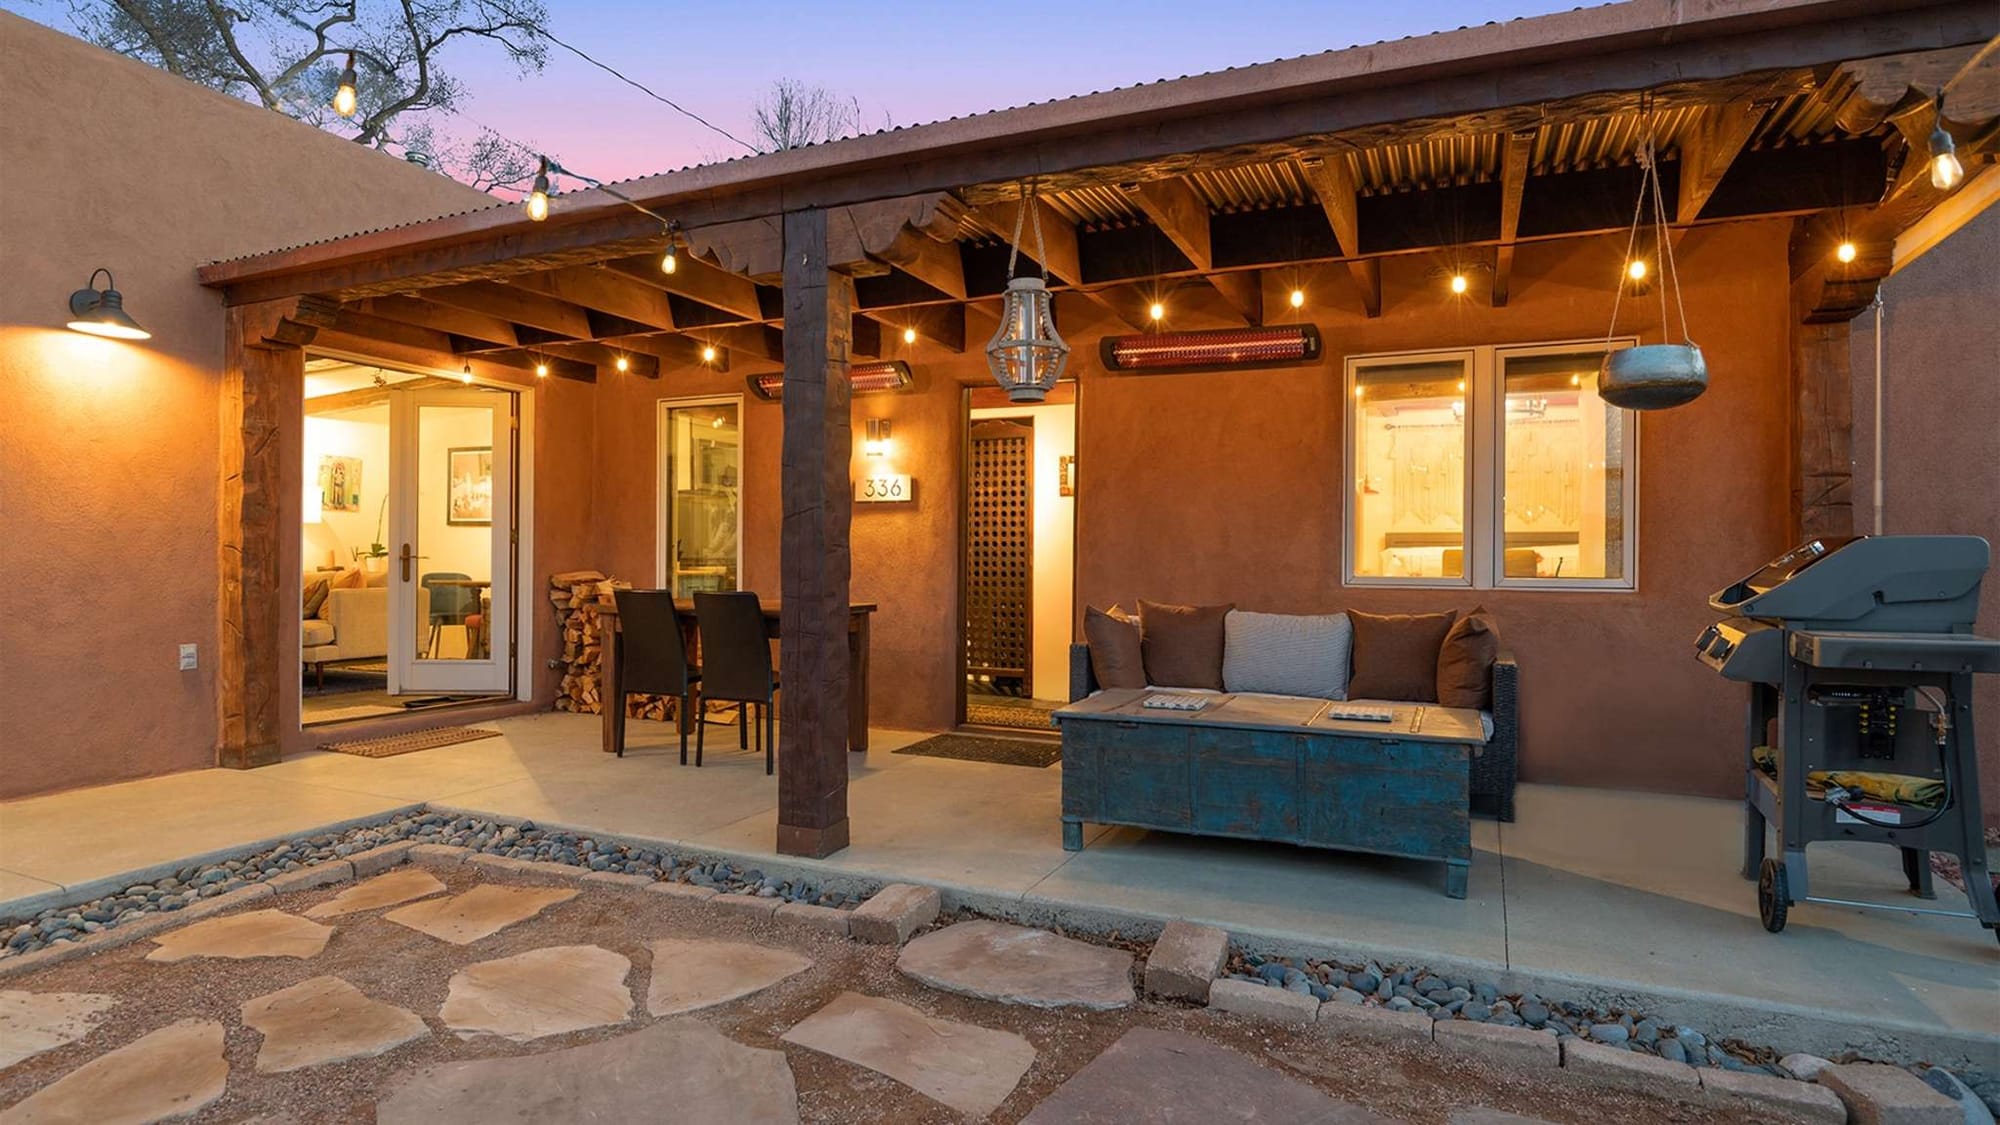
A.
pixel 1620 893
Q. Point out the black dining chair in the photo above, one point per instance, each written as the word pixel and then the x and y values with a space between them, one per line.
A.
pixel 736 666
pixel 653 655
pixel 450 605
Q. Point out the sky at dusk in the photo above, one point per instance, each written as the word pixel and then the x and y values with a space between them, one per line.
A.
pixel 907 62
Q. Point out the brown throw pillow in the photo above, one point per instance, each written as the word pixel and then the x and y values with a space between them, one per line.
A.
pixel 1182 644
pixel 1396 655
pixel 1465 663
pixel 315 596
pixel 1115 656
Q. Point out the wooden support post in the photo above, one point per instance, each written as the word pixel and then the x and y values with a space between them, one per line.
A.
pixel 813 546
pixel 263 383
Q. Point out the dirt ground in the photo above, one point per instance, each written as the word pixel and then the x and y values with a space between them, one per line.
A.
pixel 390 962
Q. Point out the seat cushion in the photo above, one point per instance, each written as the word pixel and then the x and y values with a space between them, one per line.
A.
pixel 1465 662
pixel 1182 644
pixel 314 632
pixel 1115 655
pixel 1286 654
pixel 1396 655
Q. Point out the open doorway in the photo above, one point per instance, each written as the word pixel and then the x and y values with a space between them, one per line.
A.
pixel 1017 564
pixel 407 541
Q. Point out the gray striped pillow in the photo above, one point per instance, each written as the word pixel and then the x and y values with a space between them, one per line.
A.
pixel 1287 654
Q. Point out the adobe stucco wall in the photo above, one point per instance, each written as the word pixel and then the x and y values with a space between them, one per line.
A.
pixel 108 450
pixel 1941 420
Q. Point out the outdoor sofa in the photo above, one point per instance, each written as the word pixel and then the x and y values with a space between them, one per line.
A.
pixel 1334 785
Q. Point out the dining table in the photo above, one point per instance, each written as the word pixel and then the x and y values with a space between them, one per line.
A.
pixel 612 675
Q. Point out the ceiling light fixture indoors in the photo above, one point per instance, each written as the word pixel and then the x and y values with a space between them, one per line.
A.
pixel 101 312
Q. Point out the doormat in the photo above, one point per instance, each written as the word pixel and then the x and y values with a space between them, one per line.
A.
pixel 1021 714
pixel 392 745
pixel 1036 754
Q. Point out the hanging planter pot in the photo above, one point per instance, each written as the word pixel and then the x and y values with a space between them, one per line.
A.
pixel 1653 376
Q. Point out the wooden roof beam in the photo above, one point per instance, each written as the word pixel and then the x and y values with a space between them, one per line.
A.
pixel 697 280
pixel 1519 148
pixel 442 318
pixel 1708 151
pixel 936 264
pixel 605 356
pixel 518 304
pixel 605 291
pixel 1332 180
pixel 1182 215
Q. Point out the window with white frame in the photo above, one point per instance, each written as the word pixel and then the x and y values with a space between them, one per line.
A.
pixel 1489 467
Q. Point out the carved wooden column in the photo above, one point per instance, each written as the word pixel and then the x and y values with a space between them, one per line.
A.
pixel 813 546
pixel 263 383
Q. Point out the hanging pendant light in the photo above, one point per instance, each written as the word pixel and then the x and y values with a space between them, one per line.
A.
pixel 1026 354
pixel 346 97
pixel 1652 376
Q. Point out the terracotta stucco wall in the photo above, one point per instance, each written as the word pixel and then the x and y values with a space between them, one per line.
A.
pixel 1941 419
pixel 108 450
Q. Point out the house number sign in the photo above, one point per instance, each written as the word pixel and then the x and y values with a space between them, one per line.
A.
pixel 896 488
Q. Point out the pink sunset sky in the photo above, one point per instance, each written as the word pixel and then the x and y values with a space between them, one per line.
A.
pixel 908 63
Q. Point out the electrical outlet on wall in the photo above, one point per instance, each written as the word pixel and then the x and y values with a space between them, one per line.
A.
pixel 188 663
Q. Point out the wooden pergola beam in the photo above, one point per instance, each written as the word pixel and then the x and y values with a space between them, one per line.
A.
pixel 1518 150
pixel 1332 180
pixel 606 291
pixel 604 357
pixel 518 304
pixel 943 325
pixel 936 264
pixel 420 313
pixel 696 280
pixel 1709 150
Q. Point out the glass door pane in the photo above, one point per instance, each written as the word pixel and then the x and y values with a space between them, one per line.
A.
pixel 701 447
pixel 1563 457
pixel 454 554
pixel 1406 456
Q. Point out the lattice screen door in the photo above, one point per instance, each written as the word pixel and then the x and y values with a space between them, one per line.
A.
pixel 1000 549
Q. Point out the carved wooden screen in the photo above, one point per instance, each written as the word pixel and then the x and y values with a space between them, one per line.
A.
pixel 1000 549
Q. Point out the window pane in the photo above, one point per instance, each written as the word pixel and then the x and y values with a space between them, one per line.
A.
pixel 1409 451
pixel 704 480
pixel 1563 450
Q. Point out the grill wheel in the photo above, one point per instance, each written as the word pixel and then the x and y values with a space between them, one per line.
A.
pixel 1773 897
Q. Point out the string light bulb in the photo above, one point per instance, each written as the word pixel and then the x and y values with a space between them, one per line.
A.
pixel 465 376
pixel 1946 171
pixel 537 203
pixel 671 260
pixel 909 335
pixel 541 369
pixel 1156 311
pixel 346 98
pixel 623 364
pixel 1459 284
pixel 1845 252
pixel 708 355
pixel 1298 298
pixel 1636 270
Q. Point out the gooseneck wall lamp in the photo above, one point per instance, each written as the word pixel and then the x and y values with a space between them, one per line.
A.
pixel 101 312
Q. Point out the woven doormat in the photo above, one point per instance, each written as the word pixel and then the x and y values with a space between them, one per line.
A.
pixel 1035 754
pixel 392 745
pixel 1022 715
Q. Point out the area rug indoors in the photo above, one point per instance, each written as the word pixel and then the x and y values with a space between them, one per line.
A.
pixel 1037 754
pixel 392 745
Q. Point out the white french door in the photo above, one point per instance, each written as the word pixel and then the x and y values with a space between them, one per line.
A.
pixel 452 541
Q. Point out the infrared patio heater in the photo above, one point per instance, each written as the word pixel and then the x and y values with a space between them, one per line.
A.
pixel 1859 655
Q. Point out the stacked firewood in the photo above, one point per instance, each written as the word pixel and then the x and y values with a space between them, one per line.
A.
pixel 580 598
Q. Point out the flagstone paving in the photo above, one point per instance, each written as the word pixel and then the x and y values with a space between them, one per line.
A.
pixel 483 911
pixel 1168 1078
pixel 404 884
pixel 259 933
pixel 690 975
pixel 538 993
pixel 971 1069
pixel 169 1073
pixel 1016 965
pixel 33 1022
pixel 679 1070
pixel 326 1020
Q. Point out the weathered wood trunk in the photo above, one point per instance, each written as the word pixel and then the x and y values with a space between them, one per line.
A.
pixel 813 544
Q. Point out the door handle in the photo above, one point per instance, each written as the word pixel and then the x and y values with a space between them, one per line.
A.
pixel 407 559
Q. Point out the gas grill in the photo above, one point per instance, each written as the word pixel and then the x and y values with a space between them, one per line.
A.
pixel 1859 654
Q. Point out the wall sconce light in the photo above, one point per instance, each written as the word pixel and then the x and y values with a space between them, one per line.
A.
pixel 101 312
pixel 877 442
